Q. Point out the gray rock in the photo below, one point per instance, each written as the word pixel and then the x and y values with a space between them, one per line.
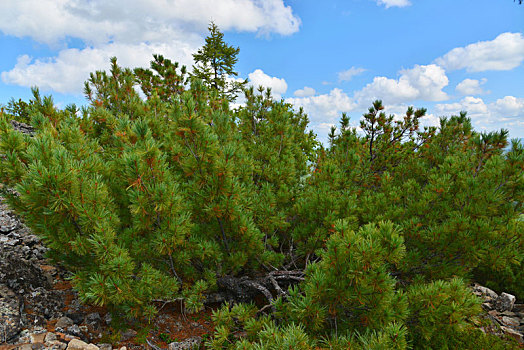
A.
pixel 74 330
pixel 77 344
pixel 50 337
pixel 57 345
pixel 128 334
pixel 508 313
pixel 10 316
pixel 8 222
pixel 8 241
pixel 483 292
pixel 510 321
pixel 188 344
pixel 23 127
pixel 23 337
pixel 64 322
pixel 504 302
pixel 105 346
pixel 487 306
pixel 93 319
pixel 76 317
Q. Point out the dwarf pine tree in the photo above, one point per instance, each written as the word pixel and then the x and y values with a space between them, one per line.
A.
pixel 350 287
pixel 454 192
pixel 350 299
pixel 174 175
pixel 280 146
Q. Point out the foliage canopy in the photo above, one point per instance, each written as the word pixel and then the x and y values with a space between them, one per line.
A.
pixel 158 197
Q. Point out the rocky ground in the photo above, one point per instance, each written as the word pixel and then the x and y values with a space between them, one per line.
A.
pixel 505 316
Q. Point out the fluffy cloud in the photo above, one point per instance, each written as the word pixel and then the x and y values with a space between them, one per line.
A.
pixel 394 3
pixel 305 92
pixel 347 75
pixel 67 72
pixel 399 111
pixel 418 83
pixel 470 87
pixel 259 78
pixel 325 108
pixel 132 31
pixel 475 107
pixel 136 21
pixel 510 106
pixel 507 112
pixel 505 52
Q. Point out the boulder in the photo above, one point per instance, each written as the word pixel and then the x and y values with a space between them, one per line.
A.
pixel 23 127
pixel 504 302
pixel 77 344
pixel 484 292
pixel 510 321
pixel 37 338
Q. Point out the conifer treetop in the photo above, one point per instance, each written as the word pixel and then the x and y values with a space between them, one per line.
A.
pixel 215 62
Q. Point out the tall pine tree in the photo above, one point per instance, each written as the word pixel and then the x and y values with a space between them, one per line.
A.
pixel 215 65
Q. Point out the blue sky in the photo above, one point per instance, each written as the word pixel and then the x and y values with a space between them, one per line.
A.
pixel 328 56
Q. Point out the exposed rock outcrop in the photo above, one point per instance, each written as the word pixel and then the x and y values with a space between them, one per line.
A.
pixel 22 127
pixel 506 316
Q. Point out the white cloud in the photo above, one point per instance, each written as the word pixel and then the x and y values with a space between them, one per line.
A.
pixel 67 72
pixel 101 21
pixel 510 106
pixel 399 111
pixel 132 31
pixel 507 112
pixel 475 106
pixel 394 3
pixel 470 87
pixel 429 119
pixel 347 75
pixel 505 52
pixel 418 83
pixel 259 78
pixel 305 92
pixel 325 108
